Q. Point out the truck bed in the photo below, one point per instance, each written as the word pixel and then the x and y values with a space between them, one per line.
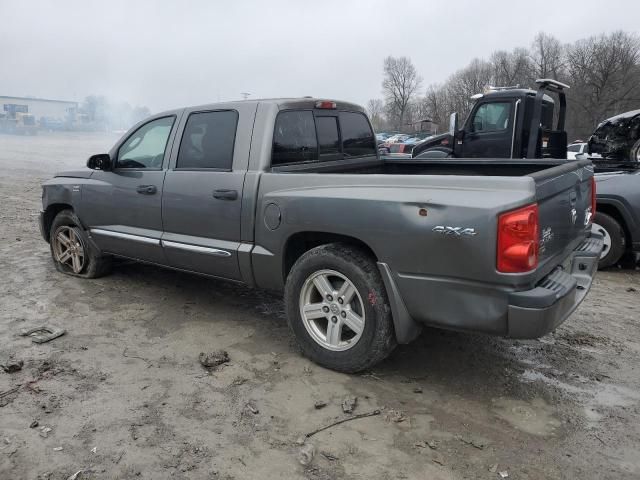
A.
pixel 410 166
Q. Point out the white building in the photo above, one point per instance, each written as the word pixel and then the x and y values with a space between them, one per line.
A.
pixel 60 110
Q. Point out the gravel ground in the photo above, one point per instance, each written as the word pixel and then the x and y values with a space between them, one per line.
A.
pixel 124 395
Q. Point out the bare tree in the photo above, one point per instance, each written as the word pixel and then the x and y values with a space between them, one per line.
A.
pixel 604 72
pixel 375 110
pixel 511 68
pixel 400 84
pixel 547 57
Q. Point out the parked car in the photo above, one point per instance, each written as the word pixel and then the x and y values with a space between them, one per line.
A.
pixel 617 216
pixel 576 149
pixel 290 195
pixel 617 138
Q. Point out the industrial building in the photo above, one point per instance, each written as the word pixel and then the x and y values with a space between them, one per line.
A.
pixel 41 108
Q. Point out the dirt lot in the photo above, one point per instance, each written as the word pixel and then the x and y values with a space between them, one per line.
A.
pixel 125 396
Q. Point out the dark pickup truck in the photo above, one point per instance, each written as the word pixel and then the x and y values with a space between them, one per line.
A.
pixel 290 195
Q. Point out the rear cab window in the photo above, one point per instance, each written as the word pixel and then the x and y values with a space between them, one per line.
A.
pixel 308 136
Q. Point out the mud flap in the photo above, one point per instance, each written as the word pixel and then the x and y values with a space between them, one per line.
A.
pixel 407 329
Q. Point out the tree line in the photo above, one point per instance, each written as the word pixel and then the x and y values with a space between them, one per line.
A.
pixel 603 73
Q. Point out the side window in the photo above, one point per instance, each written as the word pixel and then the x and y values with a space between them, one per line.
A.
pixel 294 138
pixel 145 147
pixel 208 140
pixel 328 139
pixel 357 136
pixel 492 117
pixel 573 148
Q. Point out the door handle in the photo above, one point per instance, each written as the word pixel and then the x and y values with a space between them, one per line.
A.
pixel 225 194
pixel 146 189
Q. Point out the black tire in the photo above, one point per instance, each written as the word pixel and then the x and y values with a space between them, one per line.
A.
pixel 378 338
pixel 94 264
pixel 618 241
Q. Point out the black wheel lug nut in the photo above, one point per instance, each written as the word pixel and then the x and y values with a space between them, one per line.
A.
pixel 334 319
pixel 344 314
pixel 330 298
pixel 325 309
pixel 340 301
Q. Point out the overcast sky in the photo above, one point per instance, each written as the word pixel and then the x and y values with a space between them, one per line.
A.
pixel 167 54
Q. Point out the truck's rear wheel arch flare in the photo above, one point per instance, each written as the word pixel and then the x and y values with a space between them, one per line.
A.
pixel 51 212
pixel 301 242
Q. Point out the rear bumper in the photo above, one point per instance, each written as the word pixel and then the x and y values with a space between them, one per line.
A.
pixel 456 304
pixel 534 313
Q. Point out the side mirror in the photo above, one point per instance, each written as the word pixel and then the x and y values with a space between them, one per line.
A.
pixel 101 161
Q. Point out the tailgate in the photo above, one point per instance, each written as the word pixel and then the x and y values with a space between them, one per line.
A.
pixel 563 194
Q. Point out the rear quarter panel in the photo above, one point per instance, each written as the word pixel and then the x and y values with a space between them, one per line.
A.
pixel 383 212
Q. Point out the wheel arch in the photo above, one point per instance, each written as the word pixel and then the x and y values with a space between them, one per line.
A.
pixel 50 213
pixel 300 242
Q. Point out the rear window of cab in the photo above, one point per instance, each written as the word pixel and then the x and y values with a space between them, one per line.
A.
pixel 302 136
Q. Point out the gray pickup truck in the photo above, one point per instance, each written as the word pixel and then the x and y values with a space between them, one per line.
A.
pixel 290 195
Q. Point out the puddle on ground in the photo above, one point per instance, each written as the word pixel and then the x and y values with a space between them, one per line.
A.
pixel 534 417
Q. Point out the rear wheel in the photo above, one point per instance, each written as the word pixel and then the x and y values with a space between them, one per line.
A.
pixel 614 239
pixel 71 249
pixel 338 309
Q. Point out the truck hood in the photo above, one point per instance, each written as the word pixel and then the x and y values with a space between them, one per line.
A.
pixel 86 173
pixel 444 139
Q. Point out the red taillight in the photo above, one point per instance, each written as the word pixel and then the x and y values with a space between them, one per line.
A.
pixel 593 197
pixel 326 105
pixel 518 240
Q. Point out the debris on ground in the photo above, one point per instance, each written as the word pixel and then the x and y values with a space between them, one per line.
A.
pixel 307 370
pixel 6 398
pixel 44 431
pixel 239 381
pixel 34 424
pixel 438 458
pixel 503 474
pixel 43 333
pixel 320 404
pixel 250 407
pixel 75 475
pixel 338 422
pixel 57 449
pixel 94 450
pixel 213 359
pixel 493 468
pixel 396 416
pixel 11 365
pixel 349 404
pixel 471 442
pixel 306 454
pixel 328 456
pixel 417 390
pixel 631 289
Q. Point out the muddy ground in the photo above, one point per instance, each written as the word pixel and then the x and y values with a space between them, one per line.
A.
pixel 125 396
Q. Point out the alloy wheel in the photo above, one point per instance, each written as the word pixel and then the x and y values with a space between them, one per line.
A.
pixel 332 310
pixel 68 248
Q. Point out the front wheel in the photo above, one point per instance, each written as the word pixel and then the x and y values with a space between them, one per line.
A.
pixel 614 239
pixel 71 250
pixel 338 309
